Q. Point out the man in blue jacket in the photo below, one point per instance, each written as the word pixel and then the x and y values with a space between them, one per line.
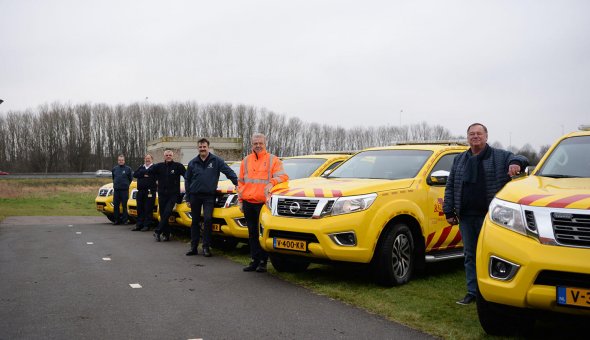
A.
pixel 201 180
pixel 122 177
pixel 476 176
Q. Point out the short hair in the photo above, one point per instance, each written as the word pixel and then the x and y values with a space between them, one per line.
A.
pixel 203 141
pixel 121 155
pixel 480 124
pixel 259 135
pixel 168 150
pixel 148 154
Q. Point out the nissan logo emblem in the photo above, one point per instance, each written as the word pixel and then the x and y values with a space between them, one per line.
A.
pixel 294 207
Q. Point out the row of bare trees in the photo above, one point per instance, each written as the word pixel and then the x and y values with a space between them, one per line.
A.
pixel 85 137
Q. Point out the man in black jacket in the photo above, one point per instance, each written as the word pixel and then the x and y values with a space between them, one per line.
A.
pixel 202 176
pixel 121 180
pixel 167 174
pixel 146 195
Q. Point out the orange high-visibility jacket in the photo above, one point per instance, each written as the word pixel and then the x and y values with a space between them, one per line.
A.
pixel 256 171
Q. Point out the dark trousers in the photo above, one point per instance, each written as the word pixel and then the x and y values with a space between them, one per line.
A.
pixel 252 215
pixel 166 204
pixel 198 202
pixel 120 198
pixel 145 207
pixel 470 226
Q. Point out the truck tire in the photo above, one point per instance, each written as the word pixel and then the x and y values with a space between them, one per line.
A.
pixel 111 217
pixel 288 264
pixel 502 320
pixel 395 256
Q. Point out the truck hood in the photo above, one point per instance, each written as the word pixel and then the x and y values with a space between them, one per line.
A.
pixel 226 187
pixel 572 193
pixel 337 187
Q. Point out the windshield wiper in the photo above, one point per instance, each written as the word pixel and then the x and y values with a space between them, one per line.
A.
pixel 559 176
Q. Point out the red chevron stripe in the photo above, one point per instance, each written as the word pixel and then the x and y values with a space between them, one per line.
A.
pixel 455 241
pixel 336 193
pixel 530 199
pixel 429 239
pixel 442 238
pixel 318 192
pixel 298 194
pixel 562 203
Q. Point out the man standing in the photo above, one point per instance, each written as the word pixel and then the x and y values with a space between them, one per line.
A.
pixel 146 195
pixel 259 172
pixel 122 177
pixel 476 176
pixel 202 176
pixel 167 174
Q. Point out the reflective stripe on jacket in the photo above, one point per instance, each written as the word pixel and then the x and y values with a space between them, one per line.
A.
pixel 256 171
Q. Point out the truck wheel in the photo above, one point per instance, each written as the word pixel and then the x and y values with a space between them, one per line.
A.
pixel 502 320
pixel 395 256
pixel 288 264
pixel 224 243
pixel 111 217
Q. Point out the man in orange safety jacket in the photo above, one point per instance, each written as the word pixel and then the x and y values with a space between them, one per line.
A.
pixel 259 172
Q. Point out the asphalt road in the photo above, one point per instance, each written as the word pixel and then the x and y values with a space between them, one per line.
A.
pixel 56 283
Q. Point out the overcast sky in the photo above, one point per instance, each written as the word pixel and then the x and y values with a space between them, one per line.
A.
pixel 520 67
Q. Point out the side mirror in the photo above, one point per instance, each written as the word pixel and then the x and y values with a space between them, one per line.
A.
pixel 438 177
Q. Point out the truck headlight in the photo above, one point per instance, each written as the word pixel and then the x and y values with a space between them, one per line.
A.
pixel 507 215
pixel 350 204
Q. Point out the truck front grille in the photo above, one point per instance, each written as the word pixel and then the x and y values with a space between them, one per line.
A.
pixel 571 229
pixel 296 207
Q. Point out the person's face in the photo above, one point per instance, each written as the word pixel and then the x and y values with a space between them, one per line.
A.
pixel 121 160
pixel 203 149
pixel 258 144
pixel 168 156
pixel 477 137
pixel 148 159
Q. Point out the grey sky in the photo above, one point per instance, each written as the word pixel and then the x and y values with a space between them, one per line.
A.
pixel 520 67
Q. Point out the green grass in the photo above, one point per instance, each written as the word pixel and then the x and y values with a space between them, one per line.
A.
pixel 426 303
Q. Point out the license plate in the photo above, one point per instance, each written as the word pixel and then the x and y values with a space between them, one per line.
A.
pixel 567 296
pixel 216 227
pixel 282 243
pixel 133 212
pixel 100 207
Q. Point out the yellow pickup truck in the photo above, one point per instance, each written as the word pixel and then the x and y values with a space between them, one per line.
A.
pixel 382 206
pixel 533 252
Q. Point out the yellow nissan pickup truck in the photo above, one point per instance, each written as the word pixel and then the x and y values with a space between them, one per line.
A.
pixel 382 206
pixel 104 201
pixel 533 252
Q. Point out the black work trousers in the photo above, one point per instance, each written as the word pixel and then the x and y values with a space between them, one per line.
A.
pixel 146 199
pixel 166 204
pixel 252 215
pixel 205 202
pixel 120 197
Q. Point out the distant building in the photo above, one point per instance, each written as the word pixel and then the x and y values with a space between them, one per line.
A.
pixel 186 148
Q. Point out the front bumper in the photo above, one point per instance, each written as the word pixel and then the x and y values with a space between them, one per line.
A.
pixel 542 269
pixel 104 204
pixel 318 235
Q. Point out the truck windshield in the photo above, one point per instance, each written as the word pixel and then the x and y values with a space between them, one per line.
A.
pixel 571 158
pixel 383 164
pixel 301 167
pixel 235 167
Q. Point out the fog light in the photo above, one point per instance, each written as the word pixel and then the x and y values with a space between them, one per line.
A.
pixel 241 222
pixel 501 269
pixel 346 239
pixel 189 215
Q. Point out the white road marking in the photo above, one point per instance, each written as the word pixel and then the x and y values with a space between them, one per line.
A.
pixel 69 225
pixel 135 285
pixel 89 242
pixel 78 232
pixel 106 258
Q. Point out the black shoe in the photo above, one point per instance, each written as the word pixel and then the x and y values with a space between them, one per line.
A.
pixel 251 267
pixel 145 229
pixel 136 229
pixel 192 252
pixel 468 299
pixel 207 252
pixel 157 237
pixel 116 223
pixel 261 267
pixel 165 238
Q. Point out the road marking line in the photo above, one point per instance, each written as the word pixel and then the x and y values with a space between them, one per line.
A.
pixel 135 285
pixel 196 339
pixel 106 258
pixel 69 225
pixel 78 232
pixel 89 242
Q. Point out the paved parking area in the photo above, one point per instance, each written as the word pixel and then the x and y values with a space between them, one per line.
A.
pixel 74 278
